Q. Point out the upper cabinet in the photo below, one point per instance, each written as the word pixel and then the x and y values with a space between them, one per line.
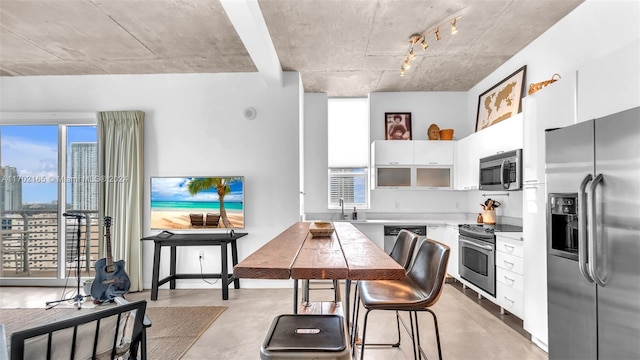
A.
pixel 552 107
pixel 503 136
pixel 420 164
pixel 392 152
pixel 417 152
pixel 432 152
pixel 610 84
pixel 467 167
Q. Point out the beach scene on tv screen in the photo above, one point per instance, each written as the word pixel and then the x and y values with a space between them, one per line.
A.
pixel 197 202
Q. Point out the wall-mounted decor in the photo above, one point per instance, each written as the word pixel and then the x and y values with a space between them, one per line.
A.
pixel 538 86
pixel 397 126
pixel 502 101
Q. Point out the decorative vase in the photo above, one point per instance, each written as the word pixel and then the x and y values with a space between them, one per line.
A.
pixel 446 134
pixel 489 217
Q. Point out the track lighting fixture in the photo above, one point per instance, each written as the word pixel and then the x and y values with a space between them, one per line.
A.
pixel 421 38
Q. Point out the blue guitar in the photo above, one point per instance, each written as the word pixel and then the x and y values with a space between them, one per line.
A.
pixel 111 279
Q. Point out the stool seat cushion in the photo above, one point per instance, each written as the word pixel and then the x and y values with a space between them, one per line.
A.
pixel 311 336
pixel 307 332
pixel 392 294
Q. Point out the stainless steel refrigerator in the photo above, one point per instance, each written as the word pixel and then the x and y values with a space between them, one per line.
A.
pixel 593 238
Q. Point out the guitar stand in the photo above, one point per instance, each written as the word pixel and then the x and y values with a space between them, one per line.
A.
pixel 78 299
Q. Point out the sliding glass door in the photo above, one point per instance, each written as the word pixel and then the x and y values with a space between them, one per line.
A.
pixel 48 170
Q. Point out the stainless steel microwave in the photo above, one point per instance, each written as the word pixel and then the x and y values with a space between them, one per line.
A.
pixel 502 171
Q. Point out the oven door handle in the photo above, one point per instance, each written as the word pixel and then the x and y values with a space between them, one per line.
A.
pixel 505 184
pixel 484 247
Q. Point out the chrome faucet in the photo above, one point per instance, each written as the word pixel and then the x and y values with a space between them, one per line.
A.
pixel 342 215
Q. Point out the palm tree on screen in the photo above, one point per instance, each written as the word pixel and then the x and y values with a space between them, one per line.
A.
pixel 222 187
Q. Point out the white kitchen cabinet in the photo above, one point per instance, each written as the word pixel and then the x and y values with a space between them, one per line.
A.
pixel 437 233
pixel 448 235
pixel 393 177
pixel 509 273
pixel 433 152
pixel 434 177
pixel 552 107
pixel 610 84
pixel 467 166
pixel 413 164
pixel 504 136
pixel 392 152
pixel 534 229
pixel 451 237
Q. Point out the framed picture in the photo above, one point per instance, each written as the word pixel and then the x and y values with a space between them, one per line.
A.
pixel 397 126
pixel 502 101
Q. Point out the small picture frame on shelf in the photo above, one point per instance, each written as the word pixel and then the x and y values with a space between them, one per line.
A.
pixel 397 126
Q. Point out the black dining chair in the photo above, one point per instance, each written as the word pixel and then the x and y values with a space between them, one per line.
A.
pixel 402 252
pixel 419 291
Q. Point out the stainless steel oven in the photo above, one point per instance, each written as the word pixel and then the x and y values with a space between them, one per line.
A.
pixel 477 257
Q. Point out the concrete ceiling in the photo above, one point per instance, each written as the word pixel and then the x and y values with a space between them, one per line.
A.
pixel 341 47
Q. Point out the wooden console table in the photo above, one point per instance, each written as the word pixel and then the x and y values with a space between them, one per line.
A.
pixel 195 239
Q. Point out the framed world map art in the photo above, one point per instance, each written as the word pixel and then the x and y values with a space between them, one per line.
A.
pixel 502 101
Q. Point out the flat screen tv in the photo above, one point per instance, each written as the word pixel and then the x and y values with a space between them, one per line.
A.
pixel 196 203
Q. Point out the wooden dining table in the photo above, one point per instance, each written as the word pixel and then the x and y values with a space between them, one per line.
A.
pixel 347 254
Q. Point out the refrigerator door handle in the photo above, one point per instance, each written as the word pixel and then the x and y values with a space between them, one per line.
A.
pixel 582 229
pixel 593 228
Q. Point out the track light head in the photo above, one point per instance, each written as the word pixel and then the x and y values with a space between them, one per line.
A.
pixel 454 28
pixel 424 44
pixel 438 37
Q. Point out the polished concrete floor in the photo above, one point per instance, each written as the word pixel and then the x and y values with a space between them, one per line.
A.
pixel 467 330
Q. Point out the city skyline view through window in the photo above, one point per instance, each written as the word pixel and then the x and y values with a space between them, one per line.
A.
pixel 36 187
pixel 32 150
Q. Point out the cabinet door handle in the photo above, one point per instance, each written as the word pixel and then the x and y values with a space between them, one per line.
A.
pixel 509 300
pixel 509 248
pixel 509 264
pixel 393 162
pixel 531 181
pixel 509 280
pixel 433 163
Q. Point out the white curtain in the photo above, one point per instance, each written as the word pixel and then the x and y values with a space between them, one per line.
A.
pixel 120 139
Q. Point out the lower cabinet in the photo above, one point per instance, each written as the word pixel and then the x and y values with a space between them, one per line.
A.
pixel 509 278
pixel 448 235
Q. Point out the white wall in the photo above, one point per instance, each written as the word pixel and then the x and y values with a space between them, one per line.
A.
pixel 426 108
pixel 194 126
